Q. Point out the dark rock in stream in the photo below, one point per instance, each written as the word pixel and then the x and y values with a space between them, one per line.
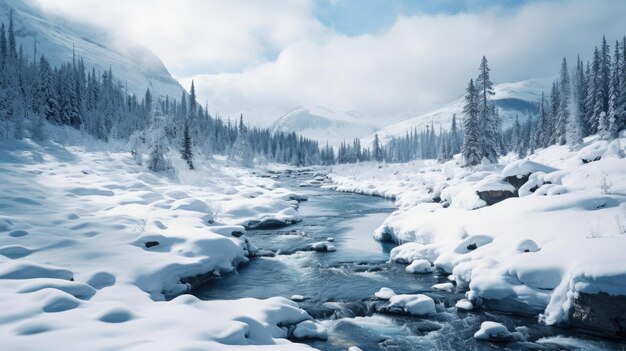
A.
pixel 150 244
pixel 600 314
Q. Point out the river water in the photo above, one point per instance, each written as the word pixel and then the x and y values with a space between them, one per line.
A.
pixel 338 286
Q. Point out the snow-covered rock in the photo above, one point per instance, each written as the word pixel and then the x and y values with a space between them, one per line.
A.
pixel 449 287
pixel 310 330
pixel 419 266
pixel 492 331
pixel 322 246
pixel 384 294
pixel 464 305
pixel 415 305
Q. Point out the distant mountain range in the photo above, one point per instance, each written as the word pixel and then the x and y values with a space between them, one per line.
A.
pixel 512 99
pixel 134 65
pixel 324 124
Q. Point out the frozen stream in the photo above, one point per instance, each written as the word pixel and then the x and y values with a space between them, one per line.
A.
pixel 338 286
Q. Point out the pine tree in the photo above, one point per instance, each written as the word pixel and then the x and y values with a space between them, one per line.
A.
pixel 575 124
pixel 613 115
pixel 376 149
pixel 563 114
pixel 186 152
pixel 472 151
pixel 488 120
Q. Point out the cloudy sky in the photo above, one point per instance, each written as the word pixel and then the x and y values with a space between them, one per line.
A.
pixel 381 57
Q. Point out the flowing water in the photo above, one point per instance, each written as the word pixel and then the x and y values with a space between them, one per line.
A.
pixel 338 286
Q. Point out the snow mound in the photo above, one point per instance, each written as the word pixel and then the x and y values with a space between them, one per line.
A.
pixel 525 168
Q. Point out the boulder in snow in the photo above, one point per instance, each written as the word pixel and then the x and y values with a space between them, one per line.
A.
pixel 464 305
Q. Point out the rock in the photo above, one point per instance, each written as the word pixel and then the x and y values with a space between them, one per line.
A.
pixel 297 298
pixel 236 233
pixel 464 305
pixel 322 246
pixel 150 244
pixel 472 247
pixel 415 305
pixel 517 181
pixel 492 197
pixel 449 287
pixel 310 330
pixel 420 267
pixel 492 331
pixel 384 294
pixel 330 239
pixel 600 314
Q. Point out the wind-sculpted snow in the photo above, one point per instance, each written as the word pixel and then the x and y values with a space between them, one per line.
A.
pixel 561 233
pixel 92 247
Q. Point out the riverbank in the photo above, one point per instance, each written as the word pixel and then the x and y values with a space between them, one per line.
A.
pixel 91 245
pixel 525 236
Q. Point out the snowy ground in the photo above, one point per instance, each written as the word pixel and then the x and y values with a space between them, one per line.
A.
pixel 92 246
pixel 565 234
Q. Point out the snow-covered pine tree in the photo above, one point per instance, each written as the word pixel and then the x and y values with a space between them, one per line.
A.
pixel 455 141
pixel 472 151
pixel 489 143
pixel 613 114
pixel 563 113
pixel 574 125
pixel 376 149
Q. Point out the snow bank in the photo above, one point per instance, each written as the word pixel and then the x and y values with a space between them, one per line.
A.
pixel 562 235
pixel 92 245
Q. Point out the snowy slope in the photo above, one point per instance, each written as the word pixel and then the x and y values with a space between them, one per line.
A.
pixel 512 99
pixel 91 244
pixel 324 124
pixel 133 64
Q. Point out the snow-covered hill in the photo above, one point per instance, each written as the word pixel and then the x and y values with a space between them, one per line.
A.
pixel 512 99
pixel 135 65
pixel 324 124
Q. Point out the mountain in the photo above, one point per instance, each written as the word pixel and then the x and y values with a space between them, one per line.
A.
pixel 323 124
pixel 511 99
pixel 135 65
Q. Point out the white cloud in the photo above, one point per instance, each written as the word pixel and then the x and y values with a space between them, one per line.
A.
pixel 418 63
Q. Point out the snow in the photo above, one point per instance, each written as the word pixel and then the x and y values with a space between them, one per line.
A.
pixel 93 246
pixel 310 330
pixel 464 305
pixel 524 168
pixel 528 254
pixel 419 266
pixel 492 331
pixel 384 294
pixel 323 246
pixel 449 287
pixel 415 305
